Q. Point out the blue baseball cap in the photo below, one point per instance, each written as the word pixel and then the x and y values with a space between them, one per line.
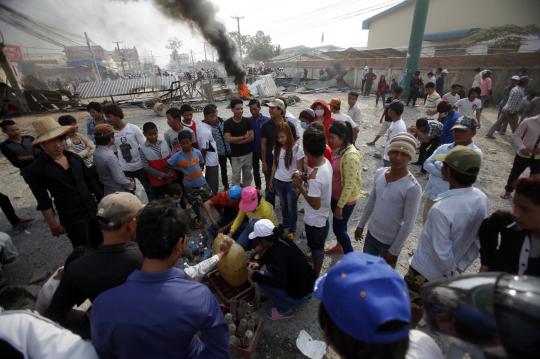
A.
pixel 234 192
pixel 362 293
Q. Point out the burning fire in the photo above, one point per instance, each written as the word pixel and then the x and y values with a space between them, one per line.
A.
pixel 243 90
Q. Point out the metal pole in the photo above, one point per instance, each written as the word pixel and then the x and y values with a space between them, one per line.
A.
pixel 192 61
pixel 205 58
pixel 121 57
pixel 238 18
pixel 97 75
pixel 13 80
pixel 415 41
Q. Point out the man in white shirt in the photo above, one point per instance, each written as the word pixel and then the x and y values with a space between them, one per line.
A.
pixel 392 204
pixel 453 96
pixel 208 147
pixel 354 110
pixel 127 140
pixel 463 132
pixel 395 110
pixel 335 108
pixel 317 194
pixel 471 106
pixel 449 243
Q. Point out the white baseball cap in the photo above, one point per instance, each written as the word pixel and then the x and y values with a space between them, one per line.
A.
pixel 262 228
pixel 516 77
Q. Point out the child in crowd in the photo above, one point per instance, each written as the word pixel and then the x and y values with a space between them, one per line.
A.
pixel 317 193
pixel 187 119
pixel 288 158
pixel 190 162
pixel 154 155
pixel 77 142
pixel 393 203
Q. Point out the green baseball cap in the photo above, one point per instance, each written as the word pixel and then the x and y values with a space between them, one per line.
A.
pixel 463 160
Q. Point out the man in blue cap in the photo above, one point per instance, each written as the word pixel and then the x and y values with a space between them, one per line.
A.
pixel 365 311
pixel 226 204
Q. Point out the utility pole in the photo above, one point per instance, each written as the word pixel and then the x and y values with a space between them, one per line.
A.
pixel 192 61
pixel 13 80
pixel 205 58
pixel 121 56
pixel 415 42
pixel 238 18
pixel 97 75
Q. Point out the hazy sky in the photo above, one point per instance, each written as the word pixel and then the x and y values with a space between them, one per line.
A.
pixel 140 24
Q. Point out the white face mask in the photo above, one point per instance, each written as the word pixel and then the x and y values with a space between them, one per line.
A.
pixel 319 113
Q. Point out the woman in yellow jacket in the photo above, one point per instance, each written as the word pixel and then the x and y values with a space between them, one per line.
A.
pixel 255 207
pixel 346 166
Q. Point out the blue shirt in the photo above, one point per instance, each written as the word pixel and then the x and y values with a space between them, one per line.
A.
pixel 257 125
pixel 189 166
pixel 158 315
pixel 449 122
pixel 91 124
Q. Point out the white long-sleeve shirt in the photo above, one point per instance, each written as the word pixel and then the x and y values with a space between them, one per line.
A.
pixel 449 240
pixel 436 185
pixel 201 269
pixel 391 209
pixel 527 135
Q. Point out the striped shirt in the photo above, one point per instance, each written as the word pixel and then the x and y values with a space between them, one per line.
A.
pixel 514 100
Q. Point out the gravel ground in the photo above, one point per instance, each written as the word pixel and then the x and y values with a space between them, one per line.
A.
pixel 40 253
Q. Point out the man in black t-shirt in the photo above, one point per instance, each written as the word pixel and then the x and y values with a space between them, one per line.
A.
pixel 239 133
pixel 268 139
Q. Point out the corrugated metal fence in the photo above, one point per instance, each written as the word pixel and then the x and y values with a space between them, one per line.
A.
pixel 124 86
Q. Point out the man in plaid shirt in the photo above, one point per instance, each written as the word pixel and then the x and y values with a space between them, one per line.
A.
pixel 429 133
pixel 510 110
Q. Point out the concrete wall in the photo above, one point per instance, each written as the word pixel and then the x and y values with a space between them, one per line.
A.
pixel 393 29
pixel 461 68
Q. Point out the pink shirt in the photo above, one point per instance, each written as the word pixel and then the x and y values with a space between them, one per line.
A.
pixel 485 86
pixel 336 177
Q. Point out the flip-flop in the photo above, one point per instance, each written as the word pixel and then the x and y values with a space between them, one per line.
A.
pixel 334 250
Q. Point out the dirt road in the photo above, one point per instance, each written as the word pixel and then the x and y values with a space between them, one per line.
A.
pixel 40 253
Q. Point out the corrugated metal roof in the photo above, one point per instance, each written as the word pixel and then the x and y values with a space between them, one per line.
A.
pixel 124 86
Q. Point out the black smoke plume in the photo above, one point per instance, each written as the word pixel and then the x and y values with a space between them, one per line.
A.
pixel 202 15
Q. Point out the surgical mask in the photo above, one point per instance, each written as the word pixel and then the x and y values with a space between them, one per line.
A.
pixel 303 125
pixel 319 113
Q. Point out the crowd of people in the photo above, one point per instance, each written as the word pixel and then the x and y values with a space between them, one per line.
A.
pixel 126 255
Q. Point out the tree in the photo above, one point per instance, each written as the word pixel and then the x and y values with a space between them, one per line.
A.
pixel 258 47
pixel 174 44
pixel 502 37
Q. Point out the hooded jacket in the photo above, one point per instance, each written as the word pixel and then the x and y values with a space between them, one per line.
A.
pixel 328 120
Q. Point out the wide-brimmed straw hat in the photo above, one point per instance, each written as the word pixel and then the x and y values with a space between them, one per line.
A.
pixel 48 128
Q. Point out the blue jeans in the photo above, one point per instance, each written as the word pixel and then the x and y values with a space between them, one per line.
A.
pixel 339 226
pixel 374 247
pixel 281 299
pixel 289 204
pixel 243 238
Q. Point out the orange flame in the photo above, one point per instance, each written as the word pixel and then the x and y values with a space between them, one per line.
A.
pixel 243 90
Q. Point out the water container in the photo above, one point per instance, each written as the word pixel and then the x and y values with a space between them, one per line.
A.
pixel 233 266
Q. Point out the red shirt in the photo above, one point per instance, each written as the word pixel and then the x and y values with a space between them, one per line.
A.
pixel 221 200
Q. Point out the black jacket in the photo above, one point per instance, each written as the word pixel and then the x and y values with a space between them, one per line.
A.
pixel 289 269
pixel 503 257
